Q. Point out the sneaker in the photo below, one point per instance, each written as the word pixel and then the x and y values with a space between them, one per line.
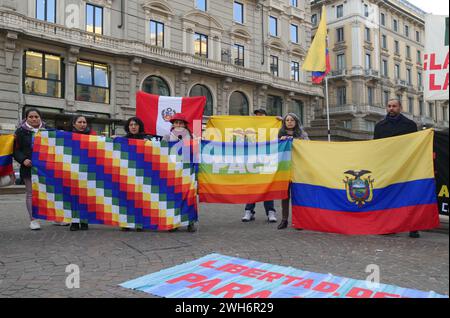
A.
pixel 414 234
pixel 61 223
pixel 248 216
pixel 271 217
pixel 74 226
pixel 34 225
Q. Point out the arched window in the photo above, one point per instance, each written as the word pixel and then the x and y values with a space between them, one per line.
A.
pixel 156 85
pixel 238 104
pixel 202 90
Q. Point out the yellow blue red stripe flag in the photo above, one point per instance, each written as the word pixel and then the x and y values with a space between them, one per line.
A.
pixel 318 59
pixel 365 187
pixel 6 151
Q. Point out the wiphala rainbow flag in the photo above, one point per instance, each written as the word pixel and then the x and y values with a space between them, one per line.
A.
pixel 121 182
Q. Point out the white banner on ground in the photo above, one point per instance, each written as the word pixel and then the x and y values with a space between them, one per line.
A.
pixel 436 57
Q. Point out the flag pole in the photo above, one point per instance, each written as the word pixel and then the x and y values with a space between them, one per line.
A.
pixel 328 109
pixel 326 93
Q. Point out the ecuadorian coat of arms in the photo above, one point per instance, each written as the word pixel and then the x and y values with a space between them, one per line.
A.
pixel 359 189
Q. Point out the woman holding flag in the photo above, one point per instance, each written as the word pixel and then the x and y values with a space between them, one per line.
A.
pixel 291 129
pixel 80 126
pixel 180 132
pixel 23 149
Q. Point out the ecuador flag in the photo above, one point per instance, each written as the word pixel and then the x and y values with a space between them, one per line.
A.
pixel 6 151
pixel 365 187
pixel 318 58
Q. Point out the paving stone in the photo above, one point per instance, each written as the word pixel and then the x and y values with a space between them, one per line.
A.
pixel 33 264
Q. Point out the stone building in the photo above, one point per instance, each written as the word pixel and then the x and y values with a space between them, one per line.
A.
pixel 377 53
pixel 91 56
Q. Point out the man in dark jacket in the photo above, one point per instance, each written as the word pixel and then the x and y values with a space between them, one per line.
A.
pixel 395 124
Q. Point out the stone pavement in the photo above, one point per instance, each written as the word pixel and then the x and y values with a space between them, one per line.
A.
pixel 33 263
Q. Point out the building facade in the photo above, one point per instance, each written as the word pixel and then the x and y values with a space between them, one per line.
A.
pixel 377 53
pixel 91 57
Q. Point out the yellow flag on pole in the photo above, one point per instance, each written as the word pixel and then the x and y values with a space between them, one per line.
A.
pixel 316 60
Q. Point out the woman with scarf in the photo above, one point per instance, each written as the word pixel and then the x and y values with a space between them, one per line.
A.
pixel 291 129
pixel 23 150
pixel 180 132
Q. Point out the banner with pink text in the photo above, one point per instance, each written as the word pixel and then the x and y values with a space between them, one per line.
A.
pixel 220 276
pixel 436 58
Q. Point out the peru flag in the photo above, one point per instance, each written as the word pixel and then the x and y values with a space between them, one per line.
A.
pixel 156 111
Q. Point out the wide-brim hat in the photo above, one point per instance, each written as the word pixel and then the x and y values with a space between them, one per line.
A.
pixel 179 116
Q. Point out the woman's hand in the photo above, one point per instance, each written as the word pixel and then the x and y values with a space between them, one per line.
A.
pixel 283 138
pixel 27 163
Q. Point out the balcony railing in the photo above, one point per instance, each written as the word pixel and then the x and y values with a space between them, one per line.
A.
pixel 75 37
pixel 356 109
pixel 400 83
pixel 338 73
pixel 372 73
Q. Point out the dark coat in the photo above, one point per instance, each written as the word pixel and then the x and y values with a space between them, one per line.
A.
pixel 88 131
pixel 391 128
pixel 142 136
pixel 23 149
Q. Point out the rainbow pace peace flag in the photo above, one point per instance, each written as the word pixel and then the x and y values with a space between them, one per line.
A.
pixel 365 187
pixel 244 172
pixel 6 158
pixel 121 182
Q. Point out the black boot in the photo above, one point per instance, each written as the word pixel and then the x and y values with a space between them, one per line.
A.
pixel 192 228
pixel 84 226
pixel 74 226
pixel 414 234
pixel 283 224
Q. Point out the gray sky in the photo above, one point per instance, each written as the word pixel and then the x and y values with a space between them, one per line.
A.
pixel 432 6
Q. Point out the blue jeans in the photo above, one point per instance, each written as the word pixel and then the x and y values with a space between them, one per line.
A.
pixel 268 206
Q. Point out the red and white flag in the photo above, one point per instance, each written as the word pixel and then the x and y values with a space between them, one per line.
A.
pixel 156 111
